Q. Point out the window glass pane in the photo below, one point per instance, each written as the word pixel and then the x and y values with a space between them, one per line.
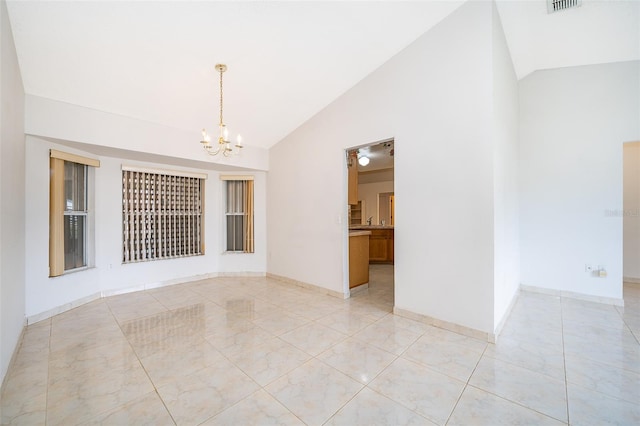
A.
pixel 74 186
pixel 235 196
pixel 235 231
pixel 74 229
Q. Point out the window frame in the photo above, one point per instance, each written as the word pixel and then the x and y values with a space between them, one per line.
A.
pixel 81 213
pixel 58 212
pixel 160 211
pixel 248 213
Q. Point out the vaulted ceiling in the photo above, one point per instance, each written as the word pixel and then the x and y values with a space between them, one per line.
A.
pixel 286 60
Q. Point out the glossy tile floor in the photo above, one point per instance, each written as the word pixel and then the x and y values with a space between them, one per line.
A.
pixel 244 351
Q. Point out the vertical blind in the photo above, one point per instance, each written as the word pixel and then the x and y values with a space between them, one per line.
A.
pixel 162 215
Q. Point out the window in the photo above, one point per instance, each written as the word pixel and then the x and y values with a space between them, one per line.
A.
pixel 69 216
pixel 162 214
pixel 75 215
pixel 239 213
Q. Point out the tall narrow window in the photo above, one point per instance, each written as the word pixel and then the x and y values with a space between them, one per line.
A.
pixel 68 211
pixel 162 214
pixel 239 213
pixel 75 215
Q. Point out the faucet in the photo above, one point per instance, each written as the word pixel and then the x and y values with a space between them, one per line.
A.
pixel 369 220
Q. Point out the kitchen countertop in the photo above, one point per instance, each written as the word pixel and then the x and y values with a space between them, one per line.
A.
pixel 367 227
pixel 358 233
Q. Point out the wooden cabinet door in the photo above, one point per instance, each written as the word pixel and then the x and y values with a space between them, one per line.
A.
pixel 378 246
pixel 358 260
pixel 381 246
pixel 352 166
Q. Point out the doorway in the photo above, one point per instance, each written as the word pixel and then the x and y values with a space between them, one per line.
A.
pixel 385 208
pixel 631 234
pixel 631 211
pixel 371 208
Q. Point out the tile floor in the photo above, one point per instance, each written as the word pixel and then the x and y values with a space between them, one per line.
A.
pixel 245 351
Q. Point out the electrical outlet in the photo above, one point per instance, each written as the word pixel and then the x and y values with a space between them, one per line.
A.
pixel 602 271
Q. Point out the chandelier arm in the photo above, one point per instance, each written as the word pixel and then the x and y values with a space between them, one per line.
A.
pixel 211 152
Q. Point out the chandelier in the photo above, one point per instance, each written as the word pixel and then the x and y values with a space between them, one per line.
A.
pixel 223 146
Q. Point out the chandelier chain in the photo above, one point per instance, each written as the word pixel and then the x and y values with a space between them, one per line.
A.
pixel 221 122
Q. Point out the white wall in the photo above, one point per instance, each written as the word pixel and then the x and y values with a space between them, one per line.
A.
pixel 435 99
pixel 12 196
pixel 631 210
pixel 60 120
pixel 573 122
pixel 505 179
pixel 369 193
pixel 109 274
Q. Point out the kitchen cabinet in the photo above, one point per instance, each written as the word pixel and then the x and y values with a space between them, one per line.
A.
pixel 358 258
pixel 352 166
pixel 357 212
pixel 381 246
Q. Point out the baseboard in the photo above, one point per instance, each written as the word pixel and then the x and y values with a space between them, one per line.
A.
pixel 450 326
pixel 149 286
pixel 631 280
pixel 358 289
pixel 12 361
pixel 242 274
pixel 505 317
pixel 308 286
pixel 159 284
pixel 32 319
pixel 572 295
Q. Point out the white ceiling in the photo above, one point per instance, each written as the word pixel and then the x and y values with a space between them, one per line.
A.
pixel 287 60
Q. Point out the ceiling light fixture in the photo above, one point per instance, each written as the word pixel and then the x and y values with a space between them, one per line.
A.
pixel 363 160
pixel 224 146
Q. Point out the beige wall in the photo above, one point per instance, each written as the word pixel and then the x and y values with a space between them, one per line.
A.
pixel 368 192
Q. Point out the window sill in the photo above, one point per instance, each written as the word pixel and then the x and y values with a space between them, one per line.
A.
pixel 74 271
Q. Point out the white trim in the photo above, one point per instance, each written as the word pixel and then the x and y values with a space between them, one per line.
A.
pixel 236 177
pixel 308 286
pixel 31 319
pixel 498 329
pixel 164 172
pixel 450 326
pixel 14 355
pixel 571 295
pixel 114 292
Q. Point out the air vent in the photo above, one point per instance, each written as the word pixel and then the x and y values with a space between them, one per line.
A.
pixel 558 5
